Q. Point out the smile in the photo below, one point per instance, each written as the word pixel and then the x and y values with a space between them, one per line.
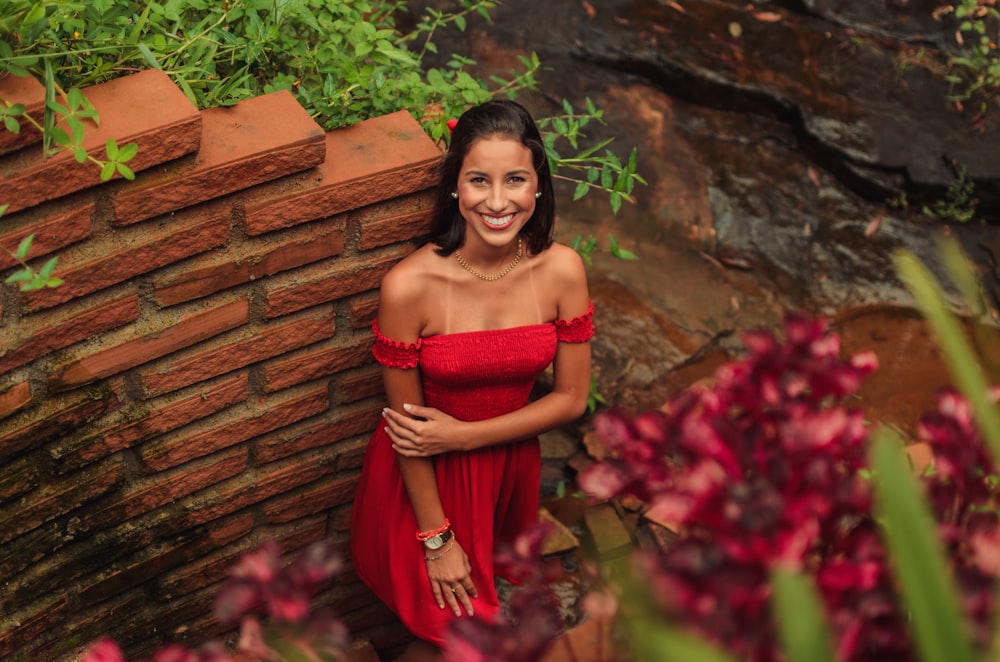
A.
pixel 497 221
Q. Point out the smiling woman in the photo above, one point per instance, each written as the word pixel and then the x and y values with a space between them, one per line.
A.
pixel 465 325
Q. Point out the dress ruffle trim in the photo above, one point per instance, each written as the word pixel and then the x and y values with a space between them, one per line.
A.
pixel 394 354
pixel 578 329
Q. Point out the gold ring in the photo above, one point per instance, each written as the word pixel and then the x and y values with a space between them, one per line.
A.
pixel 454 588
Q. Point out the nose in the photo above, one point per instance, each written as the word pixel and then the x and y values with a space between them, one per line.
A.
pixel 497 199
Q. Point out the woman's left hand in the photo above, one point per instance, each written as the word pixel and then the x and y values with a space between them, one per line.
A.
pixel 432 432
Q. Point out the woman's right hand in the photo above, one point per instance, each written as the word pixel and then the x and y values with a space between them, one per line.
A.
pixel 451 579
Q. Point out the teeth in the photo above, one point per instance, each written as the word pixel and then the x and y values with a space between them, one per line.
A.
pixel 498 221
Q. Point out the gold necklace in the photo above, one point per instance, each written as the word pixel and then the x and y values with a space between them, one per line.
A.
pixel 497 276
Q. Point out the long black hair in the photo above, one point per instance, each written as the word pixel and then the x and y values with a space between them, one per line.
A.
pixel 504 119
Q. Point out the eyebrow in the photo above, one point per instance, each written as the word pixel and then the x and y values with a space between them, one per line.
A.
pixel 522 171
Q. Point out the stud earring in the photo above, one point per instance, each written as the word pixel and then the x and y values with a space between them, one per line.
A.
pixel 538 194
pixel 454 194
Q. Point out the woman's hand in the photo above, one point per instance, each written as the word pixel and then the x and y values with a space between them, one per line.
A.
pixel 451 582
pixel 433 432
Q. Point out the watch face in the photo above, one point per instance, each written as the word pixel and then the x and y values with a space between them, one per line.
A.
pixel 434 542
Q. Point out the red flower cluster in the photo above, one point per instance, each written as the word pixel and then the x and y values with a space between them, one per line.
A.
pixel 962 485
pixel 760 470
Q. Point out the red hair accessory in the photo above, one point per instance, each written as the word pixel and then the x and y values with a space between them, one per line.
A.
pixel 451 125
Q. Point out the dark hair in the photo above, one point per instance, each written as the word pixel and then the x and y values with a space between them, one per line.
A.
pixel 497 118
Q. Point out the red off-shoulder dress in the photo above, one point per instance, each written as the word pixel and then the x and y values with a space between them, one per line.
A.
pixel 489 495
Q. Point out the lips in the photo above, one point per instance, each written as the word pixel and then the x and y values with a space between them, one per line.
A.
pixel 497 222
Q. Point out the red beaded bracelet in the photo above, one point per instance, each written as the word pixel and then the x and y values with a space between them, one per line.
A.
pixel 424 535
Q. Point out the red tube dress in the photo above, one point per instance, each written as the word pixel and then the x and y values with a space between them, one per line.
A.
pixel 489 495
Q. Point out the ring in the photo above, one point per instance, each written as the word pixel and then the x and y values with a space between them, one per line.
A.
pixel 453 588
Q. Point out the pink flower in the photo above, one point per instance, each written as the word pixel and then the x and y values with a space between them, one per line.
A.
pixel 103 650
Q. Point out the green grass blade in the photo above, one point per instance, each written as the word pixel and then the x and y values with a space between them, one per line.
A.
pixel 916 555
pixel 800 619
pixel 961 360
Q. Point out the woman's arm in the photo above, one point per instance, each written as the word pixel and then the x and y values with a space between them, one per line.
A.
pixel 397 320
pixel 427 432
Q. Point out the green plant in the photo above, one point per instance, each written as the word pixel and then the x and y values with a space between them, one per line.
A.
pixel 344 60
pixel 586 248
pixel 975 73
pixel 28 278
pixel 959 205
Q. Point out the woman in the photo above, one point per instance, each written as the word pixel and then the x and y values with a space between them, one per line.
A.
pixel 465 324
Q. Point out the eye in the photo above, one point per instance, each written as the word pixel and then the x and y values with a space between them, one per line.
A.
pixel 516 179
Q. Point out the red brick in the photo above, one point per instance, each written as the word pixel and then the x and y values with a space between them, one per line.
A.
pixel 58 330
pixel 383 231
pixel 15 398
pixel 229 354
pixel 189 444
pixel 213 275
pixel 51 233
pixel 151 561
pixel 250 488
pixel 44 615
pixel 318 434
pixel 351 453
pixel 173 337
pixel 53 419
pixel 166 416
pixel 26 90
pixel 360 384
pixel 351 278
pixel 148 494
pixel 166 130
pixel 58 498
pixel 362 309
pixel 304 367
pixel 310 500
pixel 378 159
pixel 189 233
pixel 217 563
pixel 18 477
pixel 241 146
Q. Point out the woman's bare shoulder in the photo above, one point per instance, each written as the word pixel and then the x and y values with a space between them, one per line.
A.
pixel 564 263
pixel 412 274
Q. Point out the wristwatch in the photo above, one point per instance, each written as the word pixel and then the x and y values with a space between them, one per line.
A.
pixel 436 542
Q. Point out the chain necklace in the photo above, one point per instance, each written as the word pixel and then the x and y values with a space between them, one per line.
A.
pixel 497 276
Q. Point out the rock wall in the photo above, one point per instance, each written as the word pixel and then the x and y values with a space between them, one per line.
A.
pixel 202 381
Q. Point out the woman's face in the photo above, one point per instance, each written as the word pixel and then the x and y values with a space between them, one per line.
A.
pixel 496 190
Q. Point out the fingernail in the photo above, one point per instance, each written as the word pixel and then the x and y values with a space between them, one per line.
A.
pixel 407 407
pixel 458 612
pixel 471 613
pixel 383 412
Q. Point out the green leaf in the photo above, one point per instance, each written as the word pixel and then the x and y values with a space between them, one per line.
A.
pixel 917 558
pixel 79 153
pixel 11 124
pixel 107 171
pixel 581 190
pixel 24 247
pixel 126 152
pixel 801 622
pixel 148 56
pixel 125 171
pixel 111 149
pixel 23 275
pixel 48 268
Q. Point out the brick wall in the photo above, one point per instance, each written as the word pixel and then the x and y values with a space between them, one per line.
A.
pixel 203 380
